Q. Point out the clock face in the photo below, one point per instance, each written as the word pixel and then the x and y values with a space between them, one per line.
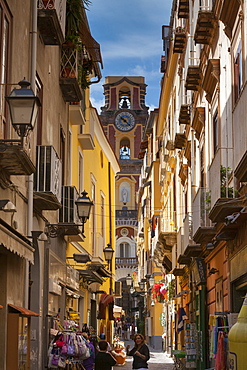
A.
pixel 125 121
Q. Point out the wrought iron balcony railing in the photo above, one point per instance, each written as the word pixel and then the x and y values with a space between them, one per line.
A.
pixel 128 261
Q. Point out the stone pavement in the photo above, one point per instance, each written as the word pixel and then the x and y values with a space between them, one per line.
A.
pixel 158 360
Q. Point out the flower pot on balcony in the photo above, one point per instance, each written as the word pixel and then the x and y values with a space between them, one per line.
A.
pixel 48 4
pixel 67 72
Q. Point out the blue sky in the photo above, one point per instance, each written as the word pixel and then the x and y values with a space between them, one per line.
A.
pixel 129 34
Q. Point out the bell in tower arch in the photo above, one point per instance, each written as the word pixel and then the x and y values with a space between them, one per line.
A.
pixel 124 104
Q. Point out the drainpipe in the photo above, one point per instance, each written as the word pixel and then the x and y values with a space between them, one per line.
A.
pixel 110 218
pixel 30 178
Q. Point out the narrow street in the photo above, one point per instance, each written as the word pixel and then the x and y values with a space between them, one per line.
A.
pixel 158 360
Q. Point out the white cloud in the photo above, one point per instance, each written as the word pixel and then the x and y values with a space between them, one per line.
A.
pixel 97 103
pixel 131 47
pixel 129 34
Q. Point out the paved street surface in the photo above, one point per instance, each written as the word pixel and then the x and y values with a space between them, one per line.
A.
pixel 158 360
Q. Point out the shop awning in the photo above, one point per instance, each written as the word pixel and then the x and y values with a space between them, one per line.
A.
pixel 91 276
pixel 73 294
pixel 21 310
pixel 15 242
pixel 100 270
pixel 105 299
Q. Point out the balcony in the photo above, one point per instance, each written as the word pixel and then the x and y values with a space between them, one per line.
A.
pixel 126 218
pixel 51 21
pixel 14 159
pixel 193 78
pixel 70 75
pixel 183 260
pixel 191 249
pixel 228 15
pixel 48 178
pixel 163 64
pixel 86 141
pixel 241 169
pixel 187 151
pixel 179 40
pixel 183 9
pixel 183 173
pixel 184 114
pixel 167 239
pixel 198 121
pixel 180 141
pixel 205 27
pixel 125 262
pixel 211 78
pixel 76 115
pixel 162 257
pixel 225 207
pixel 178 271
pixel 203 230
pixel 126 213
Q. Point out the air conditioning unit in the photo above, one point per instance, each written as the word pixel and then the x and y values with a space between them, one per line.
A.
pixel 118 289
pixel 68 212
pixel 48 176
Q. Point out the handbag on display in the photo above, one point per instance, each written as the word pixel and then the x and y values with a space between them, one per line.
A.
pixel 83 350
pixel 71 347
pixel 60 341
pixel 55 358
pixel 62 362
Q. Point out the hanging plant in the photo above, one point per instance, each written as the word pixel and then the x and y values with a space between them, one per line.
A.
pixel 171 289
pixel 74 11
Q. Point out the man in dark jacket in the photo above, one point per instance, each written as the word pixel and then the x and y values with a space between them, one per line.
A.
pixel 104 360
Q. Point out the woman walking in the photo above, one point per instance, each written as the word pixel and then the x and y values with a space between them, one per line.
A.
pixel 140 353
pixel 88 363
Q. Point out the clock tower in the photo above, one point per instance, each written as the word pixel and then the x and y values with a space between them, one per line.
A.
pixel 124 117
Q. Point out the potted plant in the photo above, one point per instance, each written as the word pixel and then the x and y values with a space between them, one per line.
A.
pixel 46 4
pixel 74 11
pixel 225 191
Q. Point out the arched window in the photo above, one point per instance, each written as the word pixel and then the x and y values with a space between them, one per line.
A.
pixel 125 149
pixel 124 250
pixel 124 98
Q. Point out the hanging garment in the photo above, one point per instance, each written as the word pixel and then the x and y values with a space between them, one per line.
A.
pixel 181 317
pixel 220 356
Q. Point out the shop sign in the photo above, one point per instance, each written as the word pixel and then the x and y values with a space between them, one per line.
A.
pixel 163 319
pixel 200 271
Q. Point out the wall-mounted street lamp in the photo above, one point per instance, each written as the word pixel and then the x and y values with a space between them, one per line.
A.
pixel 108 253
pixel 23 107
pixel 7 206
pixel 151 281
pixel 142 284
pixel 81 257
pixel 128 280
pixel 84 205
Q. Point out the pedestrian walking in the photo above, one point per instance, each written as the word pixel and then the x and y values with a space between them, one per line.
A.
pixel 102 337
pixel 88 363
pixel 85 328
pixel 104 360
pixel 140 353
